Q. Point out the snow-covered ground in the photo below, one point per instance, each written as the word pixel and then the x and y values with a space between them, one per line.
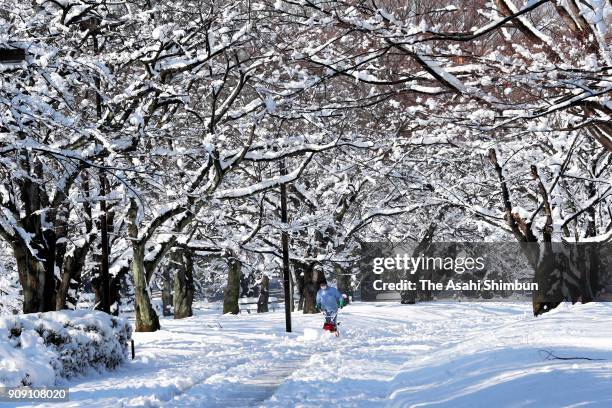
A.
pixel 429 354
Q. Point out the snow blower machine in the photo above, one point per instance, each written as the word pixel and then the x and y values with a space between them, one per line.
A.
pixel 330 324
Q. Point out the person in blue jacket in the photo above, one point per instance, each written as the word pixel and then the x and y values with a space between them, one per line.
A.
pixel 329 299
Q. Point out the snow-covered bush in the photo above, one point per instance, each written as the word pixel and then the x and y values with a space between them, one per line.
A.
pixel 37 348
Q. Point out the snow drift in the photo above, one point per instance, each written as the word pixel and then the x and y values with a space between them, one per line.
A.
pixel 38 348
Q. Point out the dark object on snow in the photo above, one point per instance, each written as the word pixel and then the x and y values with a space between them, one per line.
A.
pixel 549 355
pixel 133 351
pixel 12 55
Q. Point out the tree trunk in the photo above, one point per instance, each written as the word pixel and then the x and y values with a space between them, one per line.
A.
pixel 548 296
pixel 116 279
pixel 96 274
pixel 146 318
pixel 344 281
pixel 104 248
pixel 299 269
pixel 409 297
pixel 183 284
pixel 67 293
pixel 292 289
pixel 311 287
pixel 262 303
pixel 37 256
pixel 36 273
pixel 100 276
pixel 232 290
pixel 167 292
pixel 49 282
pixel 116 283
pixel 32 278
pixel 114 290
pixel 247 285
pixel 300 284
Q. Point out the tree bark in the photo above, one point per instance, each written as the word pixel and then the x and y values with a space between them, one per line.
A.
pixel 312 278
pixel 73 262
pixel 105 303
pixel 67 293
pixel 167 292
pixel 300 285
pixel 183 284
pixel 264 290
pixel 299 269
pixel 37 258
pixel 232 290
pixel 247 285
pixel 32 278
pixel 36 269
pixel 146 318
pixel 545 298
pixel 116 283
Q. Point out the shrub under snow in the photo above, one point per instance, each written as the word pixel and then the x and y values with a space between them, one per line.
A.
pixel 37 348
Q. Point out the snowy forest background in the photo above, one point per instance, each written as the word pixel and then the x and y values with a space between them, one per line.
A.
pixel 175 123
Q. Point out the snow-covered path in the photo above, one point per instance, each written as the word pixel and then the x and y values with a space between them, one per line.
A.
pixel 429 354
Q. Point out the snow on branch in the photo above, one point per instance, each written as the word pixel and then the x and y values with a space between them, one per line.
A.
pixel 387 212
pixel 500 22
pixel 266 184
pixel 257 155
pixel 434 68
